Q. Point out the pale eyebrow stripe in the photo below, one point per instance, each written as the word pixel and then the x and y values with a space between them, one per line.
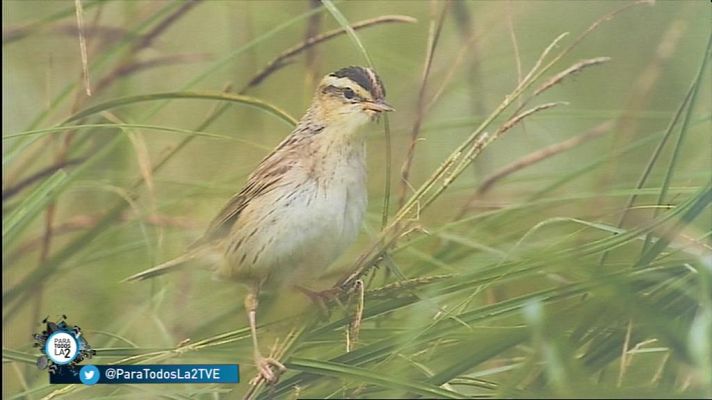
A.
pixel 338 82
pixel 343 83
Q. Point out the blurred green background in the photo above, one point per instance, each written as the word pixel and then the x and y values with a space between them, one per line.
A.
pixel 553 281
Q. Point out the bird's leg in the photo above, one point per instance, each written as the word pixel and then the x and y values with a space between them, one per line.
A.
pixel 264 364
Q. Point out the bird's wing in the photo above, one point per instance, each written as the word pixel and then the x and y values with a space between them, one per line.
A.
pixel 268 175
pixel 221 224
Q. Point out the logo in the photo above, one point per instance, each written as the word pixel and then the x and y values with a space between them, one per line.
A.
pixel 89 375
pixel 63 347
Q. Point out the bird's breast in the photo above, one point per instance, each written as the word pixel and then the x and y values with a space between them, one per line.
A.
pixel 297 231
pixel 338 202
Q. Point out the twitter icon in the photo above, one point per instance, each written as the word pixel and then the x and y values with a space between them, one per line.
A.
pixel 89 374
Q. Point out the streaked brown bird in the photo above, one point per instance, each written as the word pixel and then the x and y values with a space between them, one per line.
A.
pixel 302 206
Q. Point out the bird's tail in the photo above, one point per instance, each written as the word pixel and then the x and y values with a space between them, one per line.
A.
pixel 169 266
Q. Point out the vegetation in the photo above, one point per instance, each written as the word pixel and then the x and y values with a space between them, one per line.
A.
pixel 539 221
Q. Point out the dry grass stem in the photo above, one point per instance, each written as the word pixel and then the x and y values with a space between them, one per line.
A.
pixel 394 288
pixel 37 176
pixel 131 68
pixel 354 326
pixel 465 49
pixel 82 45
pixel 483 141
pixel 592 28
pixel 574 69
pixel 515 44
pixel 147 39
pixel 61 155
pixel 537 69
pixel 311 60
pixel 80 222
pixel 519 117
pixel 624 354
pixel 543 154
pixel 103 33
pixel 284 58
pixel 433 37
pixel 465 22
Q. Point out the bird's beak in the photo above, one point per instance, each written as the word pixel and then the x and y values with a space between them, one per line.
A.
pixel 378 106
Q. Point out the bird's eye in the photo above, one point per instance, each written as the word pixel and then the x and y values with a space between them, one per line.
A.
pixel 349 94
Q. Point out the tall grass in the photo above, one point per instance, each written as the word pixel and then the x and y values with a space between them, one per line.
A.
pixel 577 262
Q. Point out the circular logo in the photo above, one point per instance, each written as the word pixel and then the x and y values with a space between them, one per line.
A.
pixel 61 347
pixel 89 374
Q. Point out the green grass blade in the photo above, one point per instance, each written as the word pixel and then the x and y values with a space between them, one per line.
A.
pixel 344 23
pixel 235 98
pixel 31 207
pixel 60 129
pixel 334 369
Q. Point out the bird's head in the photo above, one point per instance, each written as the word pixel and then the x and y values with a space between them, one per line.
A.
pixel 351 96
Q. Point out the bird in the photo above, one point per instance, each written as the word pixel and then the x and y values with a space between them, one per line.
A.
pixel 303 204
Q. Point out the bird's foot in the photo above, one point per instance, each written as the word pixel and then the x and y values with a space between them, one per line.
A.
pixel 268 369
pixel 322 298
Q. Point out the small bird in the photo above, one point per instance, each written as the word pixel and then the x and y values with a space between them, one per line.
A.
pixel 303 204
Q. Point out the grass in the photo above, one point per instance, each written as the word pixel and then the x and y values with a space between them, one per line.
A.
pixel 574 262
